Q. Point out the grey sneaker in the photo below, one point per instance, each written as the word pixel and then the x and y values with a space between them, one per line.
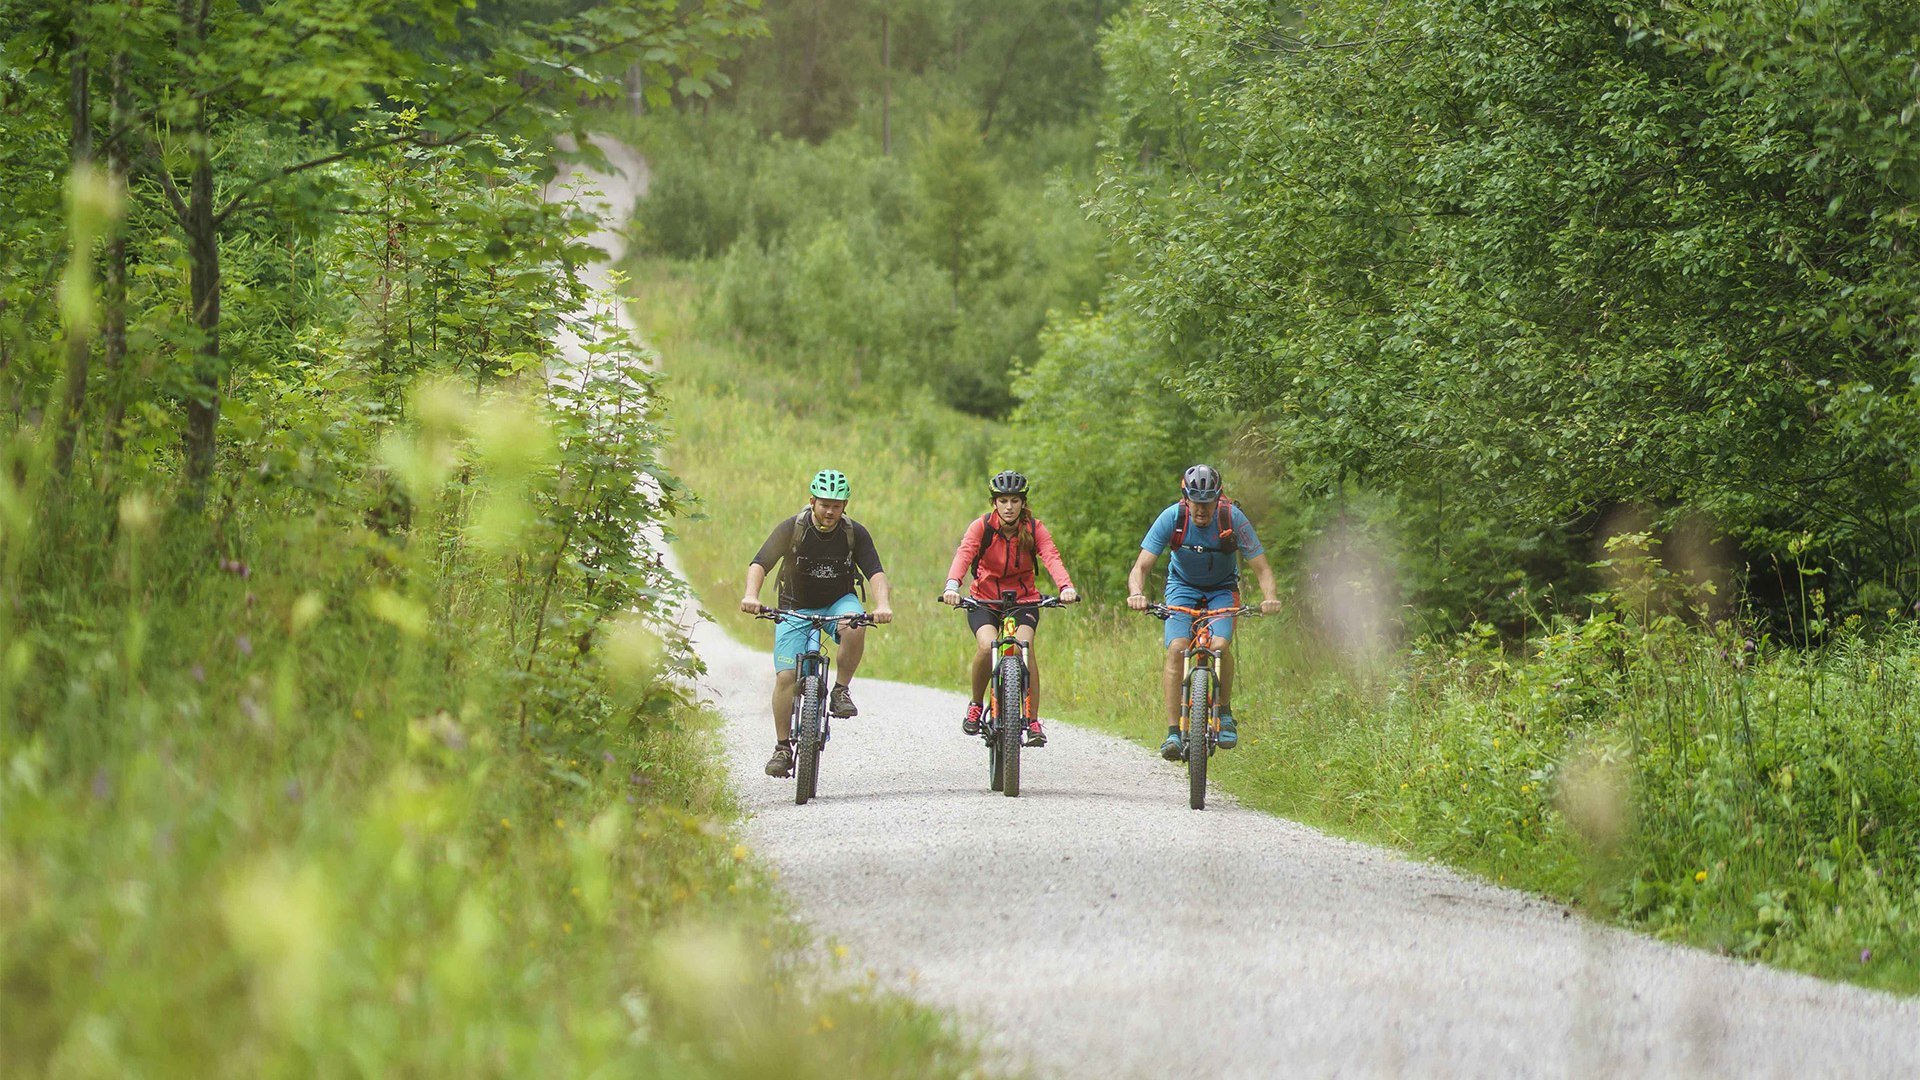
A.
pixel 1175 748
pixel 840 702
pixel 781 763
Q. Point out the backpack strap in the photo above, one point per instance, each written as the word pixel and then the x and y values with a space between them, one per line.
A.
pixel 1228 541
pixel 799 525
pixel 986 537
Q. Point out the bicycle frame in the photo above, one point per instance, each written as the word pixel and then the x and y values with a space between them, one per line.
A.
pixel 1001 733
pixel 812 663
pixel 1201 655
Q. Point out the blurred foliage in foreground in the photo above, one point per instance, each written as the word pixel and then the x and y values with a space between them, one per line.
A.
pixel 335 734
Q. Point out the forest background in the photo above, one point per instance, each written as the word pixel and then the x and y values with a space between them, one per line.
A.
pixel 1562 353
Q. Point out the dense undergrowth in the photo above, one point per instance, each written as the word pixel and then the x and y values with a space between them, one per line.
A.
pixel 359 754
pixel 292 793
pixel 1723 790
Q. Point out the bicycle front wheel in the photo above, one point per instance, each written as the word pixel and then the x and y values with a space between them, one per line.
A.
pixel 1012 706
pixel 806 741
pixel 1199 743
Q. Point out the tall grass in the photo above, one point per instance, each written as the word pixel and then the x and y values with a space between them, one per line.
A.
pixel 1766 793
pixel 287 791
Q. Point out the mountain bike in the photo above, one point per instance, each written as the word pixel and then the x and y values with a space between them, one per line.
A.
pixel 811 727
pixel 1200 719
pixel 1010 701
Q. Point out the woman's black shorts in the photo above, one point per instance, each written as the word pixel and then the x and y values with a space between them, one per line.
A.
pixel 979 617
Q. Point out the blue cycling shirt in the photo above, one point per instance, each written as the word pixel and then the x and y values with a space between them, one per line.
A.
pixel 1200 561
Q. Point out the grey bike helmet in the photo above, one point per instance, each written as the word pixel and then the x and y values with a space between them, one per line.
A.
pixel 1201 483
pixel 830 484
pixel 1008 483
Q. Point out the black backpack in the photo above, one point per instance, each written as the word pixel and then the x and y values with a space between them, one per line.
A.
pixel 987 534
pixel 798 526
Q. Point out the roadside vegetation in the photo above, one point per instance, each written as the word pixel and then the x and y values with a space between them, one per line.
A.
pixel 335 734
pixel 1593 486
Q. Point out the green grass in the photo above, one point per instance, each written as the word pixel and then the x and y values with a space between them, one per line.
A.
pixel 250 828
pixel 1768 798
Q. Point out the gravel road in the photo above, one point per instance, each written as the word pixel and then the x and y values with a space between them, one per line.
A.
pixel 1082 928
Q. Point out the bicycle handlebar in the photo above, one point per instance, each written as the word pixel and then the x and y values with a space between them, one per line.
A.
pixel 968 603
pixel 849 621
pixel 1163 612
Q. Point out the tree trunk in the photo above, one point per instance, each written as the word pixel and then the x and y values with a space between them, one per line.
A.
pixel 201 228
pixel 114 336
pixel 79 329
pixel 203 256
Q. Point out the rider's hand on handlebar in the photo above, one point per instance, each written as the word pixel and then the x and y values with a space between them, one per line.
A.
pixel 1138 601
pixel 951 598
pixel 1269 607
pixel 883 615
pixel 1069 595
pixel 751 605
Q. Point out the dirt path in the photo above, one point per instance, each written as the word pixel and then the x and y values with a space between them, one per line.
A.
pixel 1096 927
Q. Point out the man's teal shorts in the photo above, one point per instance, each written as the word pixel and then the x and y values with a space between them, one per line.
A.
pixel 790 636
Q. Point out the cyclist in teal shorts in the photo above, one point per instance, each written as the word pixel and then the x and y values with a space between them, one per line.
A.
pixel 822 555
pixel 1209 536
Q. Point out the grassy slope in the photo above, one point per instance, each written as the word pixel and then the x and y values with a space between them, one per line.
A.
pixel 236 840
pixel 1438 766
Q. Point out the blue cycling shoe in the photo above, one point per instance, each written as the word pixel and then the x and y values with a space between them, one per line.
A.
pixel 1229 736
pixel 1175 748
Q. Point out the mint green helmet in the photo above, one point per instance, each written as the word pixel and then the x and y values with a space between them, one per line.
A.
pixel 830 484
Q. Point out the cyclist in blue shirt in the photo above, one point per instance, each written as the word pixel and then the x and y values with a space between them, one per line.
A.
pixel 1204 572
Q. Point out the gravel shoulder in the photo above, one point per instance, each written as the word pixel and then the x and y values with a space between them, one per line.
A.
pixel 1096 927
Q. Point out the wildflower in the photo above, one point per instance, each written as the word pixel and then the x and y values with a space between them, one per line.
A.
pixel 566 928
pixel 740 852
pixel 1866 955
pixel 1700 878
pixel 505 824
pixel 1404 785
pixel 839 952
pixel 1526 789
pixel 243 643
pixel 825 1022
pixel 559 824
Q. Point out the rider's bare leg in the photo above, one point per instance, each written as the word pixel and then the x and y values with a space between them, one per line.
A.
pixel 783 690
pixel 983 661
pixel 1170 678
pixel 853 645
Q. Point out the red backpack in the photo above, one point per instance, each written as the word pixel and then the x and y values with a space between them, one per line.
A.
pixel 1228 541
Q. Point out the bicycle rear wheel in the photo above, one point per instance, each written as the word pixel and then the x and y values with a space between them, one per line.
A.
pixel 1199 745
pixel 806 741
pixel 1013 696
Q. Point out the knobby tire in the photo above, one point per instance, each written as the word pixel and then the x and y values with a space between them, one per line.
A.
pixel 1013 716
pixel 806 742
pixel 1199 705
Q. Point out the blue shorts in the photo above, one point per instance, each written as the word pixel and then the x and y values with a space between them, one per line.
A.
pixel 1181 594
pixel 791 637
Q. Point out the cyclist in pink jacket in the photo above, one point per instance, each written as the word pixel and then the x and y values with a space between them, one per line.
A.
pixel 1004 550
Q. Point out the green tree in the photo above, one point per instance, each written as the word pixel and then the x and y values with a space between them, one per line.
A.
pixel 1550 256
